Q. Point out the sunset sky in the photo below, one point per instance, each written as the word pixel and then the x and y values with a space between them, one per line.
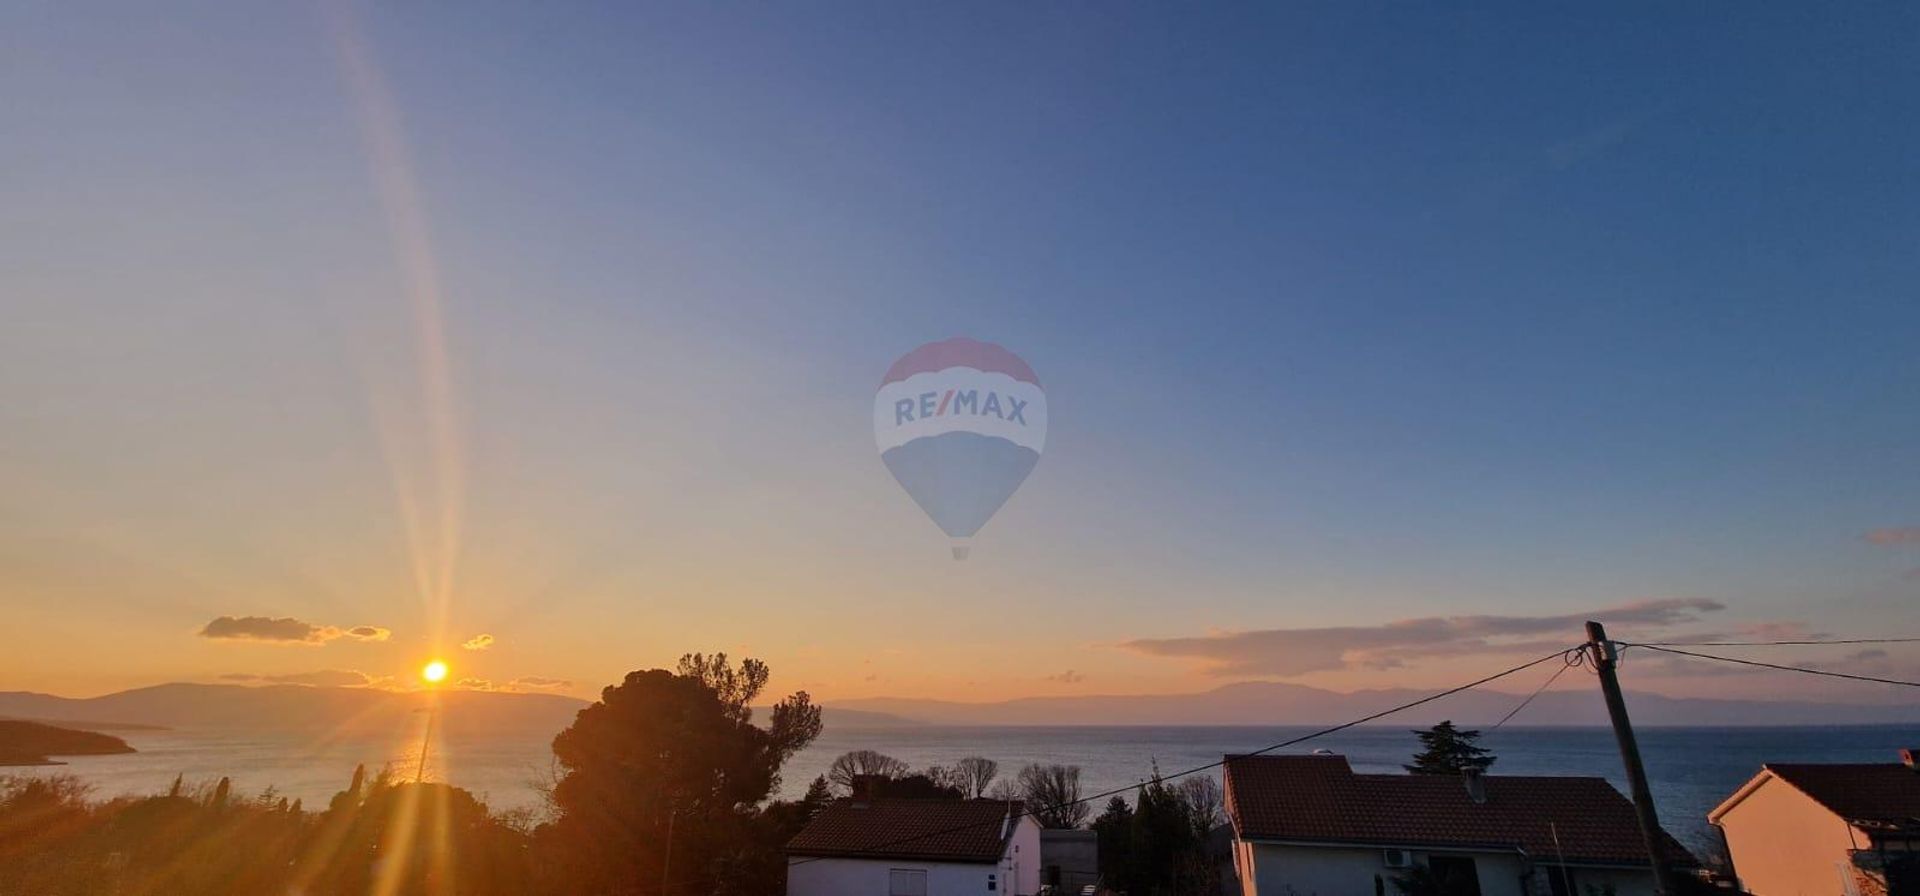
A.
pixel 1381 346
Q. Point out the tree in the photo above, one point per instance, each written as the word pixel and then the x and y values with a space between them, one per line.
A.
pixel 1052 793
pixel 1204 804
pixel 672 751
pixel 819 794
pixel 1166 850
pixel 912 787
pixel 1113 831
pixel 973 775
pixel 860 763
pixel 343 800
pixel 1447 750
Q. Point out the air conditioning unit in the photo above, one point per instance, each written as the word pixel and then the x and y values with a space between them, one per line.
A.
pixel 1397 858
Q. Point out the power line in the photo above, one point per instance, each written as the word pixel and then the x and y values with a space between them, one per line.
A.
pixel 1779 643
pixel 1557 654
pixel 1574 657
pixel 1801 669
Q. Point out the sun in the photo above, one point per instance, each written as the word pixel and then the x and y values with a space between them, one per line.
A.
pixel 434 672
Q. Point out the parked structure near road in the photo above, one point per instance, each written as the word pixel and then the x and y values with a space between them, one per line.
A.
pixel 1827 828
pixel 916 847
pixel 1069 859
pixel 1309 824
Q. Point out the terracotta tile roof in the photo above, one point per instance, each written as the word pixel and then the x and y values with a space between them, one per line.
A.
pixel 1320 799
pixel 933 830
pixel 1873 795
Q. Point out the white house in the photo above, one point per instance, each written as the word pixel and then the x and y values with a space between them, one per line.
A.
pixel 1307 825
pixel 914 847
pixel 1804 829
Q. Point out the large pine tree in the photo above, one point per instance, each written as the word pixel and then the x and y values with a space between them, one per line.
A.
pixel 1447 750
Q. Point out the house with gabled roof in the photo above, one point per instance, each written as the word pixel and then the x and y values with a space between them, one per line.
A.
pixel 916 847
pixel 1306 825
pixel 1827 828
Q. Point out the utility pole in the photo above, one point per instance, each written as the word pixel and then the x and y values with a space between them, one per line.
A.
pixel 1604 659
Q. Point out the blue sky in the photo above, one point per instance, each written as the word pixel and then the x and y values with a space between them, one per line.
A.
pixel 1347 313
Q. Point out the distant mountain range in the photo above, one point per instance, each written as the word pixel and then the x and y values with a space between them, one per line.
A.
pixel 344 711
pixel 323 709
pixel 1277 703
pixel 295 708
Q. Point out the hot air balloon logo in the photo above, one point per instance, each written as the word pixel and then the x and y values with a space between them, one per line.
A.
pixel 960 424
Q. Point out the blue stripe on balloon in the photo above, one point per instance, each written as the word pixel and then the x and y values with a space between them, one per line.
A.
pixel 960 478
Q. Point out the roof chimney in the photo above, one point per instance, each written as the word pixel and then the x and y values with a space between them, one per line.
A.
pixel 864 787
pixel 1476 784
pixel 1909 756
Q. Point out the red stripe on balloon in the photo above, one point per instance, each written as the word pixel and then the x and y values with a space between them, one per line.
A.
pixel 960 352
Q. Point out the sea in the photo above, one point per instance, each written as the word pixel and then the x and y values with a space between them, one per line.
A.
pixel 1689 769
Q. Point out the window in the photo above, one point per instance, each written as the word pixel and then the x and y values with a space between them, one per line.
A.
pixel 1455 874
pixel 903 882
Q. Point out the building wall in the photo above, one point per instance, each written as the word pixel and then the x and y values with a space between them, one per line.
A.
pixel 1349 871
pixel 1075 853
pixel 868 877
pixel 1017 874
pixel 1022 862
pixel 1275 870
pixel 1625 883
pixel 1785 844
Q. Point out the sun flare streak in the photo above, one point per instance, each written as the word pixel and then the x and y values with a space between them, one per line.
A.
pixel 431 506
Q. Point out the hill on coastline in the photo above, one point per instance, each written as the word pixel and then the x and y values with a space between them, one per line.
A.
pixel 1280 703
pixel 336 710
pixel 35 743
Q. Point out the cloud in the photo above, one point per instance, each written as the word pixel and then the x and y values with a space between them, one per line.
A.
pixel 1068 677
pixel 473 684
pixel 480 641
pixel 1895 537
pixel 1862 662
pixel 536 683
pixel 1291 652
pixel 286 630
pixel 324 678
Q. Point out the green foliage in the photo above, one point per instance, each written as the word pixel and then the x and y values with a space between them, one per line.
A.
pixel 1113 831
pixel 433 839
pixel 673 751
pixel 1158 847
pixel 662 745
pixel 1446 750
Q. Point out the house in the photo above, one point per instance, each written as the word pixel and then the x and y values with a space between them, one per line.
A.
pixel 1069 859
pixel 1825 829
pixel 916 847
pixel 1305 825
